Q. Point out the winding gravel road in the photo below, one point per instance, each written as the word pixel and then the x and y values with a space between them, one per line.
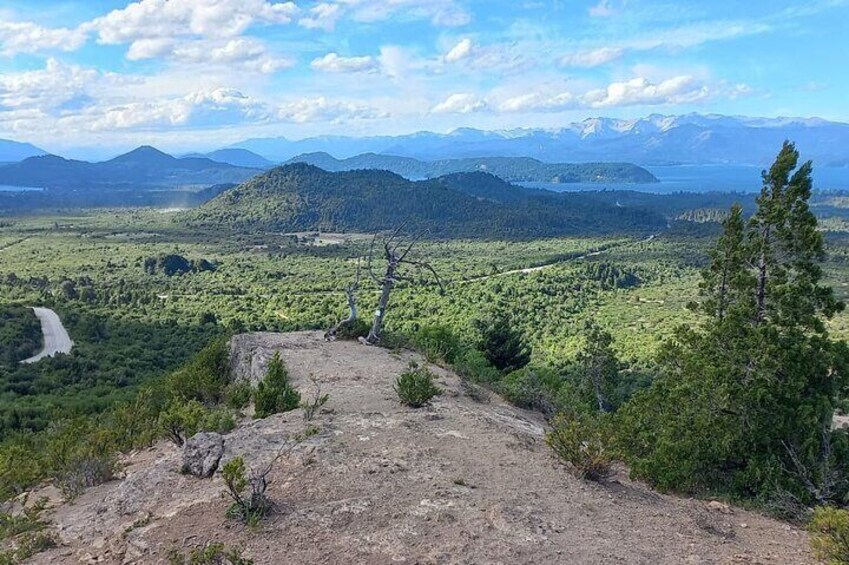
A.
pixel 56 338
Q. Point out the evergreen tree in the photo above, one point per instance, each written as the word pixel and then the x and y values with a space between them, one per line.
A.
pixel 724 283
pixel 598 367
pixel 502 343
pixel 275 393
pixel 745 403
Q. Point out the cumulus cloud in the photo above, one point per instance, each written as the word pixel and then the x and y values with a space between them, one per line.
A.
pixel 212 108
pixel 538 102
pixel 460 103
pixel 147 19
pixel 641 91
pixel 27 37
pixel 55 88
pixel 592 58
pixel 333 63
pixel 195 31
pixel 321 109
pixel 460 51
pixel 322 16
pixel 635 92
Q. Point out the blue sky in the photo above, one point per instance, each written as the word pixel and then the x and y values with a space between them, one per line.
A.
pixel 204 73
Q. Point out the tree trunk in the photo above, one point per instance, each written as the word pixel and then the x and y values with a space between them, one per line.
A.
pixel 377 326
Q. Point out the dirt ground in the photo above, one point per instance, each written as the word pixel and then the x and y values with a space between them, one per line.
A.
pixel 461 481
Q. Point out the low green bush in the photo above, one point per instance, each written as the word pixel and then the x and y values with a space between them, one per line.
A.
pixel 829 528
pixel 583 442
pixel 237 395
pixel 437 344
pixel 532 388
pixel 247 491
pixel 415 386
pixel 275 394
pixel 181 420
pixel 79 454
pixel 212 554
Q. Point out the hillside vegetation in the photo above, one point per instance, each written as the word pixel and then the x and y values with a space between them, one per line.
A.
pixel 302 197
pixel 513 169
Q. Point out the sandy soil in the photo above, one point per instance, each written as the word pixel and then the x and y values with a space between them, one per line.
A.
pixel 56 338
pixel 461 481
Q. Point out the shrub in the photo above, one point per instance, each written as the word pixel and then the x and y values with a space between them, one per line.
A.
pixel 583 442
pixel 78 455
pixel 531 388
pixel 473 365
pixel 212 554
pixel 415 386
pixel 438 343
pixel 19 468
pixel 247 490
pixel 502 344
pixel 238 395
pixel 353 330
pixel 205 377
pixel 829 529
pixel 181 420
pixel 26 531
pixel 275 394
pixel 311 407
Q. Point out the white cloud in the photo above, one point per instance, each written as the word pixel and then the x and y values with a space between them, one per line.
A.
pixel 322 16
pixel 320 109
pixel 538 102
pixel 460 103
pixel 333 63
pixel 27 37
pixel 592 58
pixel 220 107
pixel 460 51
pixel 246 52
pixel 146 19
pixel 55 88
pixel 443 13
pixel 640 91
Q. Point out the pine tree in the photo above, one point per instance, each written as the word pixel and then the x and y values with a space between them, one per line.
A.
pixel 503 344
pixel 724 282
pixel 745 403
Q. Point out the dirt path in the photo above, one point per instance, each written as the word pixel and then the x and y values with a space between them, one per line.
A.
pixel 463 481
pixel 528 270
pixel 56 338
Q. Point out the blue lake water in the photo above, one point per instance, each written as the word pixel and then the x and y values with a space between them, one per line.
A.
pixel 704 178
pixel 6 188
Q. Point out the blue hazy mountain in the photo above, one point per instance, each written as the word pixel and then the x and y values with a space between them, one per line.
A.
pixel 13 151
pixel 656 139
pixel 237 157
pixel 144 167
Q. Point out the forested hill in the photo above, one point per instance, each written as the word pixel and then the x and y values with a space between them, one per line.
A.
pixel 513 169
pixel 301 197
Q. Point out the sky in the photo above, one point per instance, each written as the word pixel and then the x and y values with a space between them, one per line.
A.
pixel 201 74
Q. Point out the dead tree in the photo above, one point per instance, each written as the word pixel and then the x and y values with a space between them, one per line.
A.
pixel 351 294
pixel 396 253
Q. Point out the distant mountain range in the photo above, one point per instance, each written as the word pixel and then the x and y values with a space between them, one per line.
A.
pixel 512 169
pixel 13 151
pixel 237 157
pixel 657 139
pixel 301 197
pixel 142 168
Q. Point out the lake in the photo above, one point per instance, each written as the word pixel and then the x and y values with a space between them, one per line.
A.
pixel 704 178
pixel 6 188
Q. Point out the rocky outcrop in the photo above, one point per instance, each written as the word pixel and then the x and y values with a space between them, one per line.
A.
pixel 201 454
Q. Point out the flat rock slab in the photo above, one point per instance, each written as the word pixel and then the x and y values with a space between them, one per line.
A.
pixel 457 482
